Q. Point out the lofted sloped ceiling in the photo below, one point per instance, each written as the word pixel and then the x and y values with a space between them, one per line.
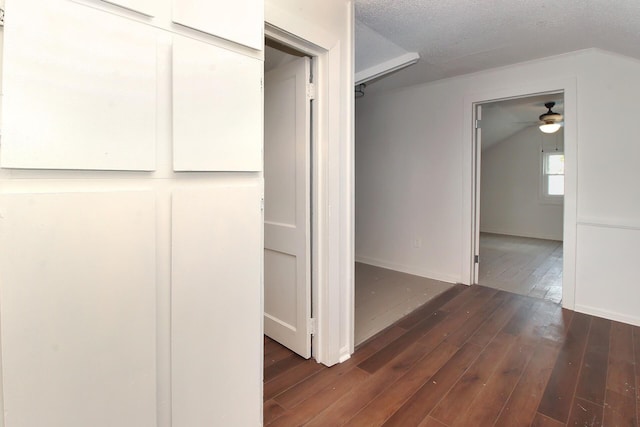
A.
pixel 455 37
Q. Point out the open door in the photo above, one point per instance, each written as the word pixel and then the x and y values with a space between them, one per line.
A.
pixel 475 267
pixel 287 236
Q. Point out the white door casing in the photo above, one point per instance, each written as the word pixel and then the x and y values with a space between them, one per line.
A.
pixel 476 205
pixel 287 255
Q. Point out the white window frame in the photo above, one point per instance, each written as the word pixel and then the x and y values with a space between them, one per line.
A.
pixel 545 197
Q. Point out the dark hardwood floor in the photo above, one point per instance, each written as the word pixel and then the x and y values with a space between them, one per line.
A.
pixel 473 356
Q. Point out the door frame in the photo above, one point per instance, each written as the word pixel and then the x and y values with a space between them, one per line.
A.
pixel 471 228
pixel 332 256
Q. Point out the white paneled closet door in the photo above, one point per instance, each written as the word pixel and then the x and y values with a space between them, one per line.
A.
pixel 287 215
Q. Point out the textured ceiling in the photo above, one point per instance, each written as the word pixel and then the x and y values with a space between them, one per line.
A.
pixel 373 48
pixel 455 37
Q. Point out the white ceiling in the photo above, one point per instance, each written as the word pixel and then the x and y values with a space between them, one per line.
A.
pixel 455 37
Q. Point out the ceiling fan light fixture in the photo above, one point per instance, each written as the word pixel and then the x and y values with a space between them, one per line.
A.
pixel 550 122
pixel 549 127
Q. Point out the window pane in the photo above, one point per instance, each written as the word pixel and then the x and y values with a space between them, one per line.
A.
pixel 556 185
pixel 555 164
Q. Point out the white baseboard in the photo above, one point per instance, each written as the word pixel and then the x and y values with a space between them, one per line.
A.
pixel 344 356
pixel 416 271
pixel 611 315
pixel 519 234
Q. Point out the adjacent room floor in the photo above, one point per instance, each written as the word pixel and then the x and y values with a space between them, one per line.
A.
pixel 384 296
pixel 521 265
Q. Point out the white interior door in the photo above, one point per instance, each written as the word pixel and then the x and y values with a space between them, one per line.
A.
pixel 287 237
pixel 476 193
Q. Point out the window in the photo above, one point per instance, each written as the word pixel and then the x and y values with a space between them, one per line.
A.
pixel 553 175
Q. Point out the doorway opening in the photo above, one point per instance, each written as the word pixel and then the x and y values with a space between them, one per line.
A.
pixel 385 291
pixel 519 197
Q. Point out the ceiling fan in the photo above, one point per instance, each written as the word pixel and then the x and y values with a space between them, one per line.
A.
pixel 550 122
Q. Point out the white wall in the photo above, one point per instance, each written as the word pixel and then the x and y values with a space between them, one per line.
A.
pixel 106 256
pixel 413 162
pixel 510 196
pixel 99 325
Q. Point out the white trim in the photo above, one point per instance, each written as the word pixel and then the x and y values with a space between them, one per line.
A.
pixel 297 28
pixel 403 268
pixel 346 354
pixel 519 234
pixel 393 64
pixel 567 85
pixel 606 314
pixel 608 224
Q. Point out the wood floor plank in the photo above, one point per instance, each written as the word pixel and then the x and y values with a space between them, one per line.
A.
pixel 480 373
pixel 593 374
pixel 622 342
pixel 557 331
pixel 384 296
pixel 456 401
pixel 636 353
pixel 382 338
pixel 558 396
pixel 431 307
pixel 463 298
pixel 585 413
pixel 521 265
pixel 517 322
pixel 544 315
pixel 415 409
pixel 544 421
pixel 455 320
pixel 488 404
pixel 620 410
pixel 621 398
pixel 527 329
pixel 498 320
pixel 385 404
pixel 381 358
pixel 294 376
pixel 431 422
pixel 436 325
pixel 343 410
pixel 274 353
pixel 315 404
pixel 305 389
pixel 282 366
pixel 473 323
pixel 621 370
pixel 271 411
pixel 521 406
